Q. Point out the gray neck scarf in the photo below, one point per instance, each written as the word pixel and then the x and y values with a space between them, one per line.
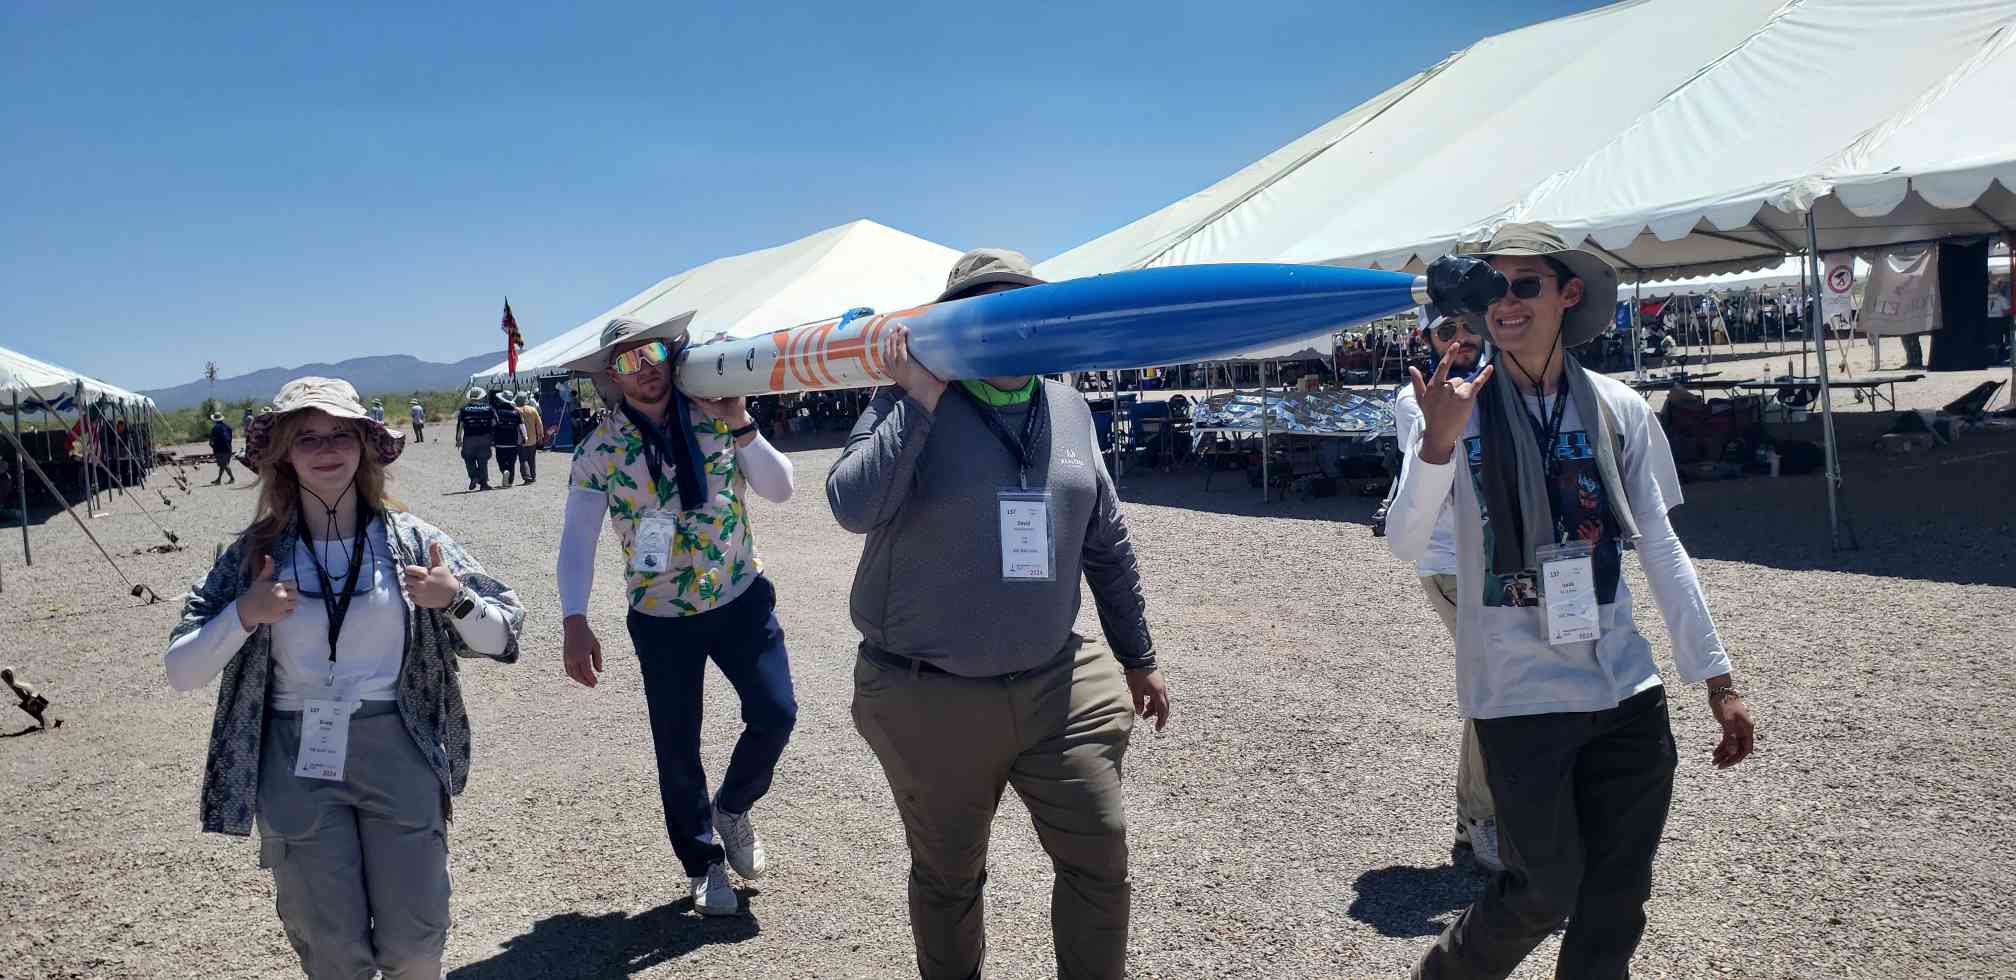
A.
pixel 1518 504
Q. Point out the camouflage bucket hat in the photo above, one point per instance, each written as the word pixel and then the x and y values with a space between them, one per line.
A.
pixel 332 397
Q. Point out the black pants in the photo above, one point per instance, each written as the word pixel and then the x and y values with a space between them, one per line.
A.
pixel 223 465
pixel 528 462
pixel 744 640
pixel 476 458
pixel 419 431
pixel 1582 799
pixel 507 463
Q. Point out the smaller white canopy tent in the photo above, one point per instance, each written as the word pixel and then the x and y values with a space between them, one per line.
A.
pixel 38 380
pixel 822 275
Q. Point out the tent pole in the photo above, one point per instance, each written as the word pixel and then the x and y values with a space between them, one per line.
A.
pixel 1637 340
pixel 1805 329
pixel 1826 401
pixel 21 480
pixel 1264 420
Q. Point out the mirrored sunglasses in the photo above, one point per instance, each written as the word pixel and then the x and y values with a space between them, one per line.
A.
pixel 633 361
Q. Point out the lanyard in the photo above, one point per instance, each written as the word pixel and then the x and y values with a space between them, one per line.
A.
pixel 1549 432
pixel 653 439
pixel 1024 448
pixel 338 607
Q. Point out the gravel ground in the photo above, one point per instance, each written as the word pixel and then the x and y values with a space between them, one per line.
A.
pixel 1292 822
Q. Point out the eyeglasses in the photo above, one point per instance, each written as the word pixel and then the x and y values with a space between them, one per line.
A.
pixel 342 440
pixel 633 361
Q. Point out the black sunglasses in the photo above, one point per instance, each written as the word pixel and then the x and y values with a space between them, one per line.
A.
pixel 1526 287
pixel 1448 330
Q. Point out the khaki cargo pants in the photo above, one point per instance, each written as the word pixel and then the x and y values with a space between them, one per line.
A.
pixel 950 745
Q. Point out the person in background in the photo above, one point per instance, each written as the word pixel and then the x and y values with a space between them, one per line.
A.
pixel 535 437
pixel 419 415
pixel 1548 468
pixel 507 434
pixel 220 447
pixel 1476 827
pixel 337 611
pixel 245 423
pixel 35 705
pixel 970 678
pixel 474 426
pixel 377 410
pixel 669 472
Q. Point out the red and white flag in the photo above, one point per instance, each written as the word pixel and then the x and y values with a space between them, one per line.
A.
pixel 513 342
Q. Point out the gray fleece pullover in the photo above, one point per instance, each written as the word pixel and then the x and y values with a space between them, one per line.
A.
pixel 923 488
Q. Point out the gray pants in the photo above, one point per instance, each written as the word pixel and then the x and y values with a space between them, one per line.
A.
pixel 1473 792
pixel 950 745
pixel 1582 800
pixel 360 866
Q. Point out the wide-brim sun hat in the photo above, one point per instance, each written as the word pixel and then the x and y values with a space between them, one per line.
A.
pixel 216 416
pixel 333 397
pixel 476 394
pixel 985 267
pixel 622 330
pixel 1598 309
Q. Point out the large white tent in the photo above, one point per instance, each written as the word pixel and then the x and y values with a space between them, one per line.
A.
pixel 822 275
pixel 1896 137
pixel 1429 157
pixel 1687 136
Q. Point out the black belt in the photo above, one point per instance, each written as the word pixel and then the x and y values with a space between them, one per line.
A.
pixel 896 661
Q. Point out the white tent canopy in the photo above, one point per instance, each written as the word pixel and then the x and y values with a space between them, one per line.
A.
pixel 822 275
pixel 1896 138
pixel 38 380
pixel 1428 158
pixel 1684 136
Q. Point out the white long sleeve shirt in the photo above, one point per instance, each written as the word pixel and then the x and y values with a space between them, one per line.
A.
pixel 1504 665
pixel 369 652
pixel 1440 557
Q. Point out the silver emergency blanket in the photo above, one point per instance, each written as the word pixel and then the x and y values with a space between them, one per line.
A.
pixel 1323 412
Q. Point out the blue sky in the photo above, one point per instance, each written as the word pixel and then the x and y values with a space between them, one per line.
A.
pixel 262 186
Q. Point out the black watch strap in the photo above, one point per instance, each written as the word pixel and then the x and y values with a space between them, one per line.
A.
pixel 743 431
pixel 464 604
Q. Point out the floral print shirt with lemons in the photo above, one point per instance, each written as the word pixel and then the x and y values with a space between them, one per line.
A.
pixel 713 552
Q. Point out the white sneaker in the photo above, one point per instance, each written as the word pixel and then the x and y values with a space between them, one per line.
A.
pixel 738 837
pixel 712 894
pixel 1484 844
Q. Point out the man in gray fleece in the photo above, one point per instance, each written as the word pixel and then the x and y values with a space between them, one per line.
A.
pixel 984 502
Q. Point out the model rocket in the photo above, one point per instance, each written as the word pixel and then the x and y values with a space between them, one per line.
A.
pixel 1146 317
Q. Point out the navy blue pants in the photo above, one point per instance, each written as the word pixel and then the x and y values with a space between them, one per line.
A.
pixel 744 640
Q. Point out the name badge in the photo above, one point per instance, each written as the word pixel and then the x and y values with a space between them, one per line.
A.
pixel 1028 546
pixel 325 736
pixel 1568 591
pixel 652 551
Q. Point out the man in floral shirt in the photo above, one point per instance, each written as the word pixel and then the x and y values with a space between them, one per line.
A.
pixel 670 472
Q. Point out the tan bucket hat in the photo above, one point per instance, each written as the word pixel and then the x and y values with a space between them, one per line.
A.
pixel 330 396
pixel 986 266
pixel 1598 309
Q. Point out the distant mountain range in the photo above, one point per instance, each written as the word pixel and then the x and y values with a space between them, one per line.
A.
pixel 389 374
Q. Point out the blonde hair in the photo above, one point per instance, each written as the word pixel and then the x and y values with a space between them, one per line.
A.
pixel 280 488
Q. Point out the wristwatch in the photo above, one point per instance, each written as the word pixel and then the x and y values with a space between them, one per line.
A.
pixel 743 431
pixel 1720 691
pixel 464 604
